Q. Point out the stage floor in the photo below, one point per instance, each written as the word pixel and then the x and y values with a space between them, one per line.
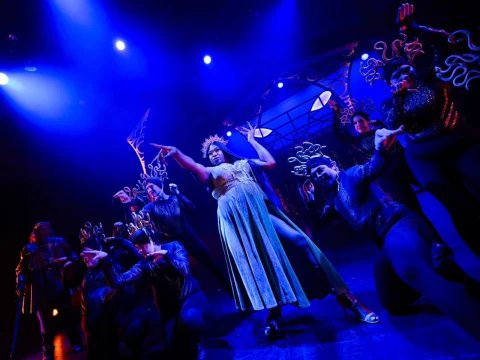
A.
pixel 322 331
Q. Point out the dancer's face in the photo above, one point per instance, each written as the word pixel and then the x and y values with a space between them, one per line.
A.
pixel 361 124
pixel 215 155
pixel 146 248
pixel 154 191
pixel 404 72
pixel 324 175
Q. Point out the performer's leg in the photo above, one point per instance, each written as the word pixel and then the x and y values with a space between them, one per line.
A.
pixel 394 294
pixel 407 246
pixel 135 329
pixel 322 268
pixel 396 181
pixel 446 186
pixel 467 165
pixel 47 330
pixel 197 249
pixel 191 326
pixel 70 324
pixel 101 336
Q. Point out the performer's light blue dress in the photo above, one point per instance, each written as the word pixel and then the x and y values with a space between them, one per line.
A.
pixel 260 271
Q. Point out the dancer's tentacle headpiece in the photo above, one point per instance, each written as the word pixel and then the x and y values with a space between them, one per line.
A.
pixel 400 49
pixel 461 68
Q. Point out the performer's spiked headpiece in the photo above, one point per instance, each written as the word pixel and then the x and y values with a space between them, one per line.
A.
pixel 403 53
pixel 212 139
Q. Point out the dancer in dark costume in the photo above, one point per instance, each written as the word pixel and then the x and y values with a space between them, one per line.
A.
pixel 106 312
pixel 396 179
pixel 169 214
pixel 442 150
pixel 178 295
pixel 404 267
pixel 41 268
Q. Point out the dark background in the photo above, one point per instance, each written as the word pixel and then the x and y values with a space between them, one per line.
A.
pixel 64 166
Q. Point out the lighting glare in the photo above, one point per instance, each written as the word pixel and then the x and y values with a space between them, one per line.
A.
pixel 3 79
pixel 262 132
pixel 120 45
pixel 321 100
pixel 364 57
pixel 229 133
pixel 30 68
pixel 207 59
pixel 280 85
pixel 55 312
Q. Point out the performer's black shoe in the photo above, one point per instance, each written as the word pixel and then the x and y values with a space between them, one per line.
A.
pixel 274 321
pixel 77 348
pixel 441 251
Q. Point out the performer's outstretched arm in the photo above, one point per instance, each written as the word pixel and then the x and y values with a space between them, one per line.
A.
pixel 129 277
pixel 369 172
pixel 185 162
pixel 114 280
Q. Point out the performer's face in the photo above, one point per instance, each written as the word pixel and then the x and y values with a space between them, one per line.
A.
pixel 361 124
pixel 324 175
pixel 404 72
pixel 146 248
pixel 154 191
pixel 42 232
pixel 215 155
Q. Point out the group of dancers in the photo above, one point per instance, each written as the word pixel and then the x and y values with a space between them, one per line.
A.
pixel 151 249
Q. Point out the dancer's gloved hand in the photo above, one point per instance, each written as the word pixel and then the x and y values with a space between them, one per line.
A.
pixel 405 16
pixel 174 189
pixel 309 190
pixel 384 138
pixel 157 255
pixel 92 257
pixel 122 195
pixel 20 286
pixel 334 106
pixel 401 89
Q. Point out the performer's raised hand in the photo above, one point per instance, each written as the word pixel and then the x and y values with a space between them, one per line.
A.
pixel 249 133
pixel 400 89
pixel 165 150
pixel 334 106
pixel 385 138
pixel 174 189
pixel 157 255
